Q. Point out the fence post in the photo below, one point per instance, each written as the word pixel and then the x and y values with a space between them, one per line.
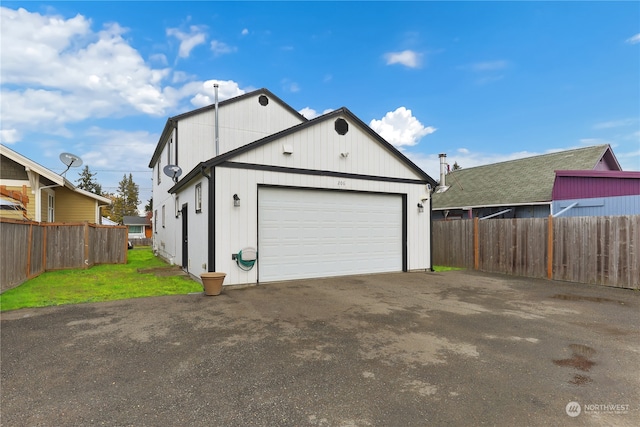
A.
pixel 44 246
pixel 86 245
pixel 550 248
pixel 476 243
pixel 30 243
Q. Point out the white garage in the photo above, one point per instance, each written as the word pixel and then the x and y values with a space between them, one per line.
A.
pixel 305 233
pixel 325 197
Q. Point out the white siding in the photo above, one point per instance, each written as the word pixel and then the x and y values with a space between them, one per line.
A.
pixel 240 122
pixel 237 227
pixel 164 239
pixel 320 147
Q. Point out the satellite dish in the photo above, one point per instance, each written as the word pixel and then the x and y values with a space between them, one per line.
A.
pixel 70 160
pixel 173 172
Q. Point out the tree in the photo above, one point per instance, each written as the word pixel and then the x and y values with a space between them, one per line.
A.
pixel 125 201
pixel 87 181
pixel 149 206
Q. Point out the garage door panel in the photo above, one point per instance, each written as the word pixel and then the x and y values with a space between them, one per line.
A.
pixel 313 233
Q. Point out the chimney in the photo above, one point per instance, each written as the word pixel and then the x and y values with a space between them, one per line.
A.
pixel 443 169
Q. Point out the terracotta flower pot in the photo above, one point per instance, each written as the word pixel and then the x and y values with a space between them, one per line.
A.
pixel 212 282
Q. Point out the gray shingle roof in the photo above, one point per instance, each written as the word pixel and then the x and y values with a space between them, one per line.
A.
pixel 521 181
pixel 135 220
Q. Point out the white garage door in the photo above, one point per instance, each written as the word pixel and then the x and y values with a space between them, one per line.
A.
pixel 314 233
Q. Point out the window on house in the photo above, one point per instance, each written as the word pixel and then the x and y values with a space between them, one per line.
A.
pixel 169 148
pixel 135 229
pixel 163 216
pixel 51 208
pixel 199 198
pixel 177 206
pixel 155 221
pixel 159 172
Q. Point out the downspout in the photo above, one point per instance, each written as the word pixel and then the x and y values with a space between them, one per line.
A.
pixel 39 201
pixel 215 89
pixel 211 221
pixel 175 127
pixel 431 232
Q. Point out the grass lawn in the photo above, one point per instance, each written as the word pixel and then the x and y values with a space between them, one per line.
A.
pixel 443 268
pixel 98 283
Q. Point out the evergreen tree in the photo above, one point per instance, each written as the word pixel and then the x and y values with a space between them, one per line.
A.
pixel 125 201
pixel 87 181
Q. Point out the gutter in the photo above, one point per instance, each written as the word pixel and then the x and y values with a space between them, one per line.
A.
pixel 431 233
pixel 211 220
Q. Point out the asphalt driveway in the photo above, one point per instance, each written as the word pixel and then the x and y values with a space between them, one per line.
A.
pixel 412 349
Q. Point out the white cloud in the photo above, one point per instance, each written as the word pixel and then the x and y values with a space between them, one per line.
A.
pixel 245 31
pixel 159 58
pixel 310 113
pixel 54 74
pixel 206 92
pixel 408 58
pixel 400 128
pixel 634 39
pixel 221 48
pixel 188 41
pixel 9 136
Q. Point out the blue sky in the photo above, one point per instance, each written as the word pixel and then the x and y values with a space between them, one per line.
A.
pixel 481 81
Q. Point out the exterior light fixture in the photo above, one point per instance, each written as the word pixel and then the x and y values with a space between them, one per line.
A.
pixel 420 208
pixel 236 200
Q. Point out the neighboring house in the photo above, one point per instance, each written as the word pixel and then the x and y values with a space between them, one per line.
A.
pixel 596 193
pixel 139 226
pixel 521 188
pixel 106 221
pixel 315 198
pixel 43 195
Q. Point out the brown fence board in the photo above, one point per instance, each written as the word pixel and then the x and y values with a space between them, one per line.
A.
pixel 30 248
pixel 593 250
pixel 452 245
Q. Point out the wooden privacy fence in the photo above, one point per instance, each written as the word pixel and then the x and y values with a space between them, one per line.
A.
pixel 31 248
pixel 594 250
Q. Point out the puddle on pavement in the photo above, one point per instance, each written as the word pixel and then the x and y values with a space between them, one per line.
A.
pixel 569 297
pixel 580 380
pixel 580 359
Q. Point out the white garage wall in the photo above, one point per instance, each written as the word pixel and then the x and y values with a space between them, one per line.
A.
pixel 319 147
pixel 236 227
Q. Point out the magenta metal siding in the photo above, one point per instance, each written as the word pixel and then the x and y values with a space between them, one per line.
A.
pixel 590 184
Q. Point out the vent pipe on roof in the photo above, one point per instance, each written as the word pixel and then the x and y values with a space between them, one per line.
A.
pixel 443 169
pixel 215 90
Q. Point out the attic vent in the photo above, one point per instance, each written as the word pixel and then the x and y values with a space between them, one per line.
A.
pixel 263 100
pixel 342 127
